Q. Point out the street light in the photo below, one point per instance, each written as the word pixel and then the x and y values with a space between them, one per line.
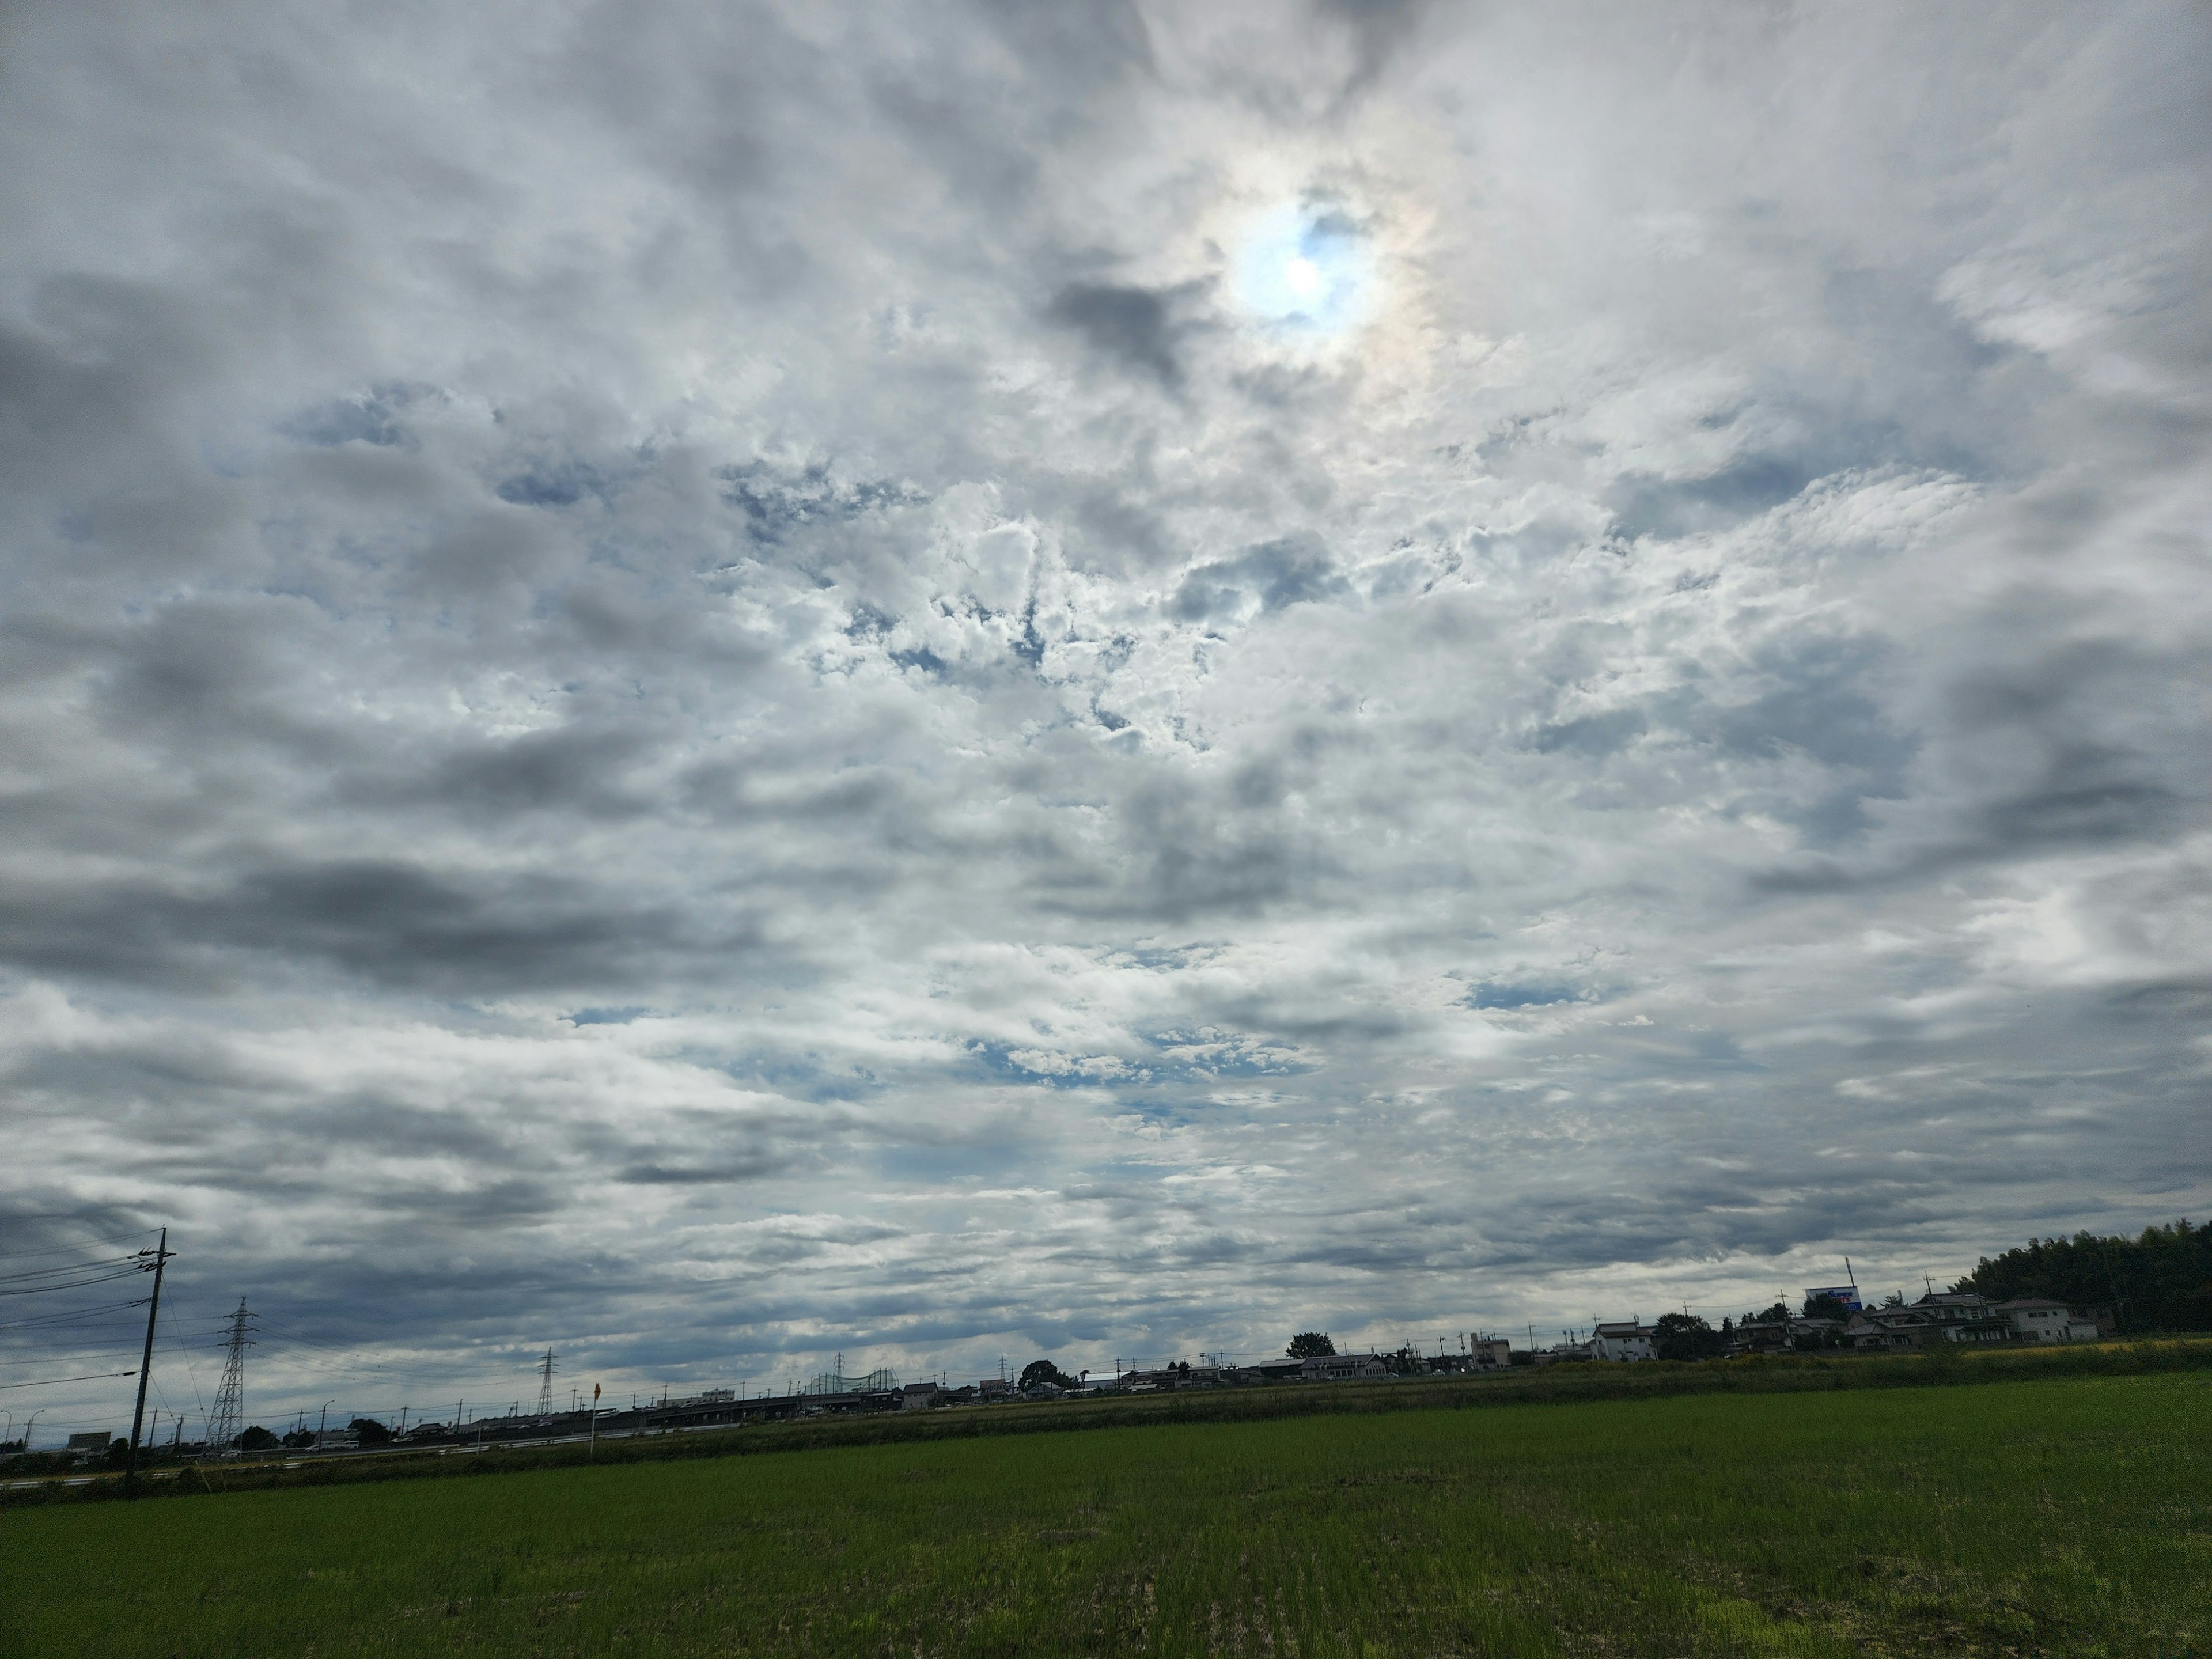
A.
pixel 322 1421
pixel 28 1423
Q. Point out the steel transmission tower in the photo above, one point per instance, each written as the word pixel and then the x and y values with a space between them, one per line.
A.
pixel 545 1385
pixel 229 1417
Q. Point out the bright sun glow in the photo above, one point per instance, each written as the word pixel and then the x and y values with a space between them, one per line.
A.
pixel 1305 268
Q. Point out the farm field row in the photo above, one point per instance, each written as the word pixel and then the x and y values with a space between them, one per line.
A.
pixel 1558 1384
pixel 2069 1515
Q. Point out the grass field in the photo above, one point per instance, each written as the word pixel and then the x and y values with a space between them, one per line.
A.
pixel 2063 1517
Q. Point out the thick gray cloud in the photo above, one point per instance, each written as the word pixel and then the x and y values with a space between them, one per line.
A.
pixel 713 685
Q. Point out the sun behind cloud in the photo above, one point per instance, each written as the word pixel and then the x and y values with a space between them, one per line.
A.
pixel 1306 269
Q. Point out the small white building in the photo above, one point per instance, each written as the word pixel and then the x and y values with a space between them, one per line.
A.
pixel 2039 1319
pixel 1622 1339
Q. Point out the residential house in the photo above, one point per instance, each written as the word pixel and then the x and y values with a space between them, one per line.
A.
pixel 1628 1339
pixel 1965 1316
pixel 2039 1319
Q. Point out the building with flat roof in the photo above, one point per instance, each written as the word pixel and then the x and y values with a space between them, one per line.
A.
pixel 1342 1367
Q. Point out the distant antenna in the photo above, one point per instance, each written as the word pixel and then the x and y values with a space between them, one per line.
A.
pixel 228 1417
pixel 545 1370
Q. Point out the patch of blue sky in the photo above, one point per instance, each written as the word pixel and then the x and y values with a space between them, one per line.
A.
pixel 1027 1064
pixel 1306 268
pixel 1492 993
pixel 1207 1053
pixel 558 485
pixel 801 1078
pixel 1177 1056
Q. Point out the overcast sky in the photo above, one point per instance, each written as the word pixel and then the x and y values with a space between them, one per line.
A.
pixel 712 683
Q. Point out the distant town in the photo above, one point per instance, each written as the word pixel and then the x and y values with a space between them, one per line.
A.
pixel 2157 1282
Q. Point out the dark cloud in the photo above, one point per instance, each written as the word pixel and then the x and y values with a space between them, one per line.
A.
pixel 1133 326
pixel 390 922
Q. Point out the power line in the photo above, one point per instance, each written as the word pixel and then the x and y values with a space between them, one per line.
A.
pixel 66 1318
pixel 51 1355
pixel 67 1284
pixel 48 1383
pixel 73 1266
pixel 198 1398
pixel 63 1250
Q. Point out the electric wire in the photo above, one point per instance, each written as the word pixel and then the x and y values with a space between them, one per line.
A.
pixel 71 1267
pixel 70 1317
pixel 171 1314
pixel 67 1284
pixel 62 1249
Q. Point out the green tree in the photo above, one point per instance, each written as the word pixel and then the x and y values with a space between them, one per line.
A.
pixel 1683 1336
pixel 1307 1344
pixel 1043 1371
pixel 2160 1281
pixel 369 1431
pixel 256 1438
pixel 1824 1307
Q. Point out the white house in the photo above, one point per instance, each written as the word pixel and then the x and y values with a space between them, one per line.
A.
pixel 1622 1339
pixel 2039 1319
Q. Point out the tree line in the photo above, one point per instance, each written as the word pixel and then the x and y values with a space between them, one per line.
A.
pixel 2159 1281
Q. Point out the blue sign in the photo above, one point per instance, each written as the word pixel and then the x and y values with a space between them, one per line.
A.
pixel 1846 1294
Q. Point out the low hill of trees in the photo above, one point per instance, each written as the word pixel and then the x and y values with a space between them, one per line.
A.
pixel 2161 1281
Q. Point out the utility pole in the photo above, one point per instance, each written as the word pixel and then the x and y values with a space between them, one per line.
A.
pixel 160 1255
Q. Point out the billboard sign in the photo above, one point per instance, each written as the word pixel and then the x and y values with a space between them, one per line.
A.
pixel 1846 1294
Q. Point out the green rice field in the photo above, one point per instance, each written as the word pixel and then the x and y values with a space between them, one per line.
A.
pixel 2071 1516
